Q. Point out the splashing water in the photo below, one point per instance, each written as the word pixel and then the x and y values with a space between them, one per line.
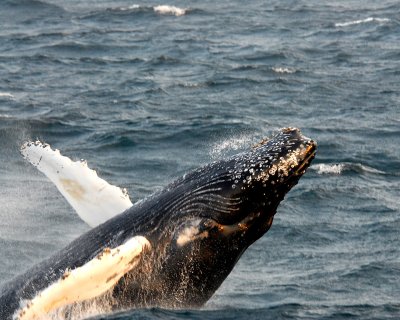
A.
pixel 232 144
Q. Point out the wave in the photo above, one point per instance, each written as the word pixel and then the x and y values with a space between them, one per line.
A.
pixel 135 9
pixel 31 3
pixel 328 168
pixel 132 7
pixel 339 168
pixel 283 70
pixel 6 95
pixel 171 10
pixel 366 20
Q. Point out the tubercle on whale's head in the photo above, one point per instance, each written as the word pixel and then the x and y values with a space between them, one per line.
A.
pixel 262 178
pixel 242 193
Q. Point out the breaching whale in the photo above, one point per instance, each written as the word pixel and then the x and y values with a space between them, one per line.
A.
pixel 172 249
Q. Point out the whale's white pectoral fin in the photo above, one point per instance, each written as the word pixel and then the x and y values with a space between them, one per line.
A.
pixel 89 281
pixel 93 198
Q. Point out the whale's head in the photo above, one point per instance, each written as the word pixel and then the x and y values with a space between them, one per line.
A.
pixel 218 211
pixel 257 181
pixel 237 198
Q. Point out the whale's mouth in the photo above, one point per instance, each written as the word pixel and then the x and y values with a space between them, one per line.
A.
pixel 261 218
pixel 309 156
pixel 241 226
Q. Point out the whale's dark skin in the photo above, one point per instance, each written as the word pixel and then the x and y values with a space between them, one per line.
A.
pixel 229 204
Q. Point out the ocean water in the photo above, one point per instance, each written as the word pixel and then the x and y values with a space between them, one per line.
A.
pixel 145 91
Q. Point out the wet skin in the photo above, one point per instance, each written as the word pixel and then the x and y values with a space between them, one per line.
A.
pixel 198 228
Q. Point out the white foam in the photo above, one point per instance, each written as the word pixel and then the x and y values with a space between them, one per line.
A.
pixel 366 20
pixel 132 7
pixel 94 199
pixel 164 9
pixel 323 168
pixel 6 95
pixel 339 168
pixel 283 70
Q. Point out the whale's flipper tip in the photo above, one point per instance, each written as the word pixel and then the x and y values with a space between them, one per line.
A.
pixel 94 199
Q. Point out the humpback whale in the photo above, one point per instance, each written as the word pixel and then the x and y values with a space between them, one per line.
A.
pixel 170 250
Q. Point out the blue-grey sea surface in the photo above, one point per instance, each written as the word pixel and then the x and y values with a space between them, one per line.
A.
pixel 145 94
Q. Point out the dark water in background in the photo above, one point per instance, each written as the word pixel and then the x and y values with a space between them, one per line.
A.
pixel 144 97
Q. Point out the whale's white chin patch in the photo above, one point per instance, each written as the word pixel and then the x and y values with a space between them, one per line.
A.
pixel 94 199
pixel 93 279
